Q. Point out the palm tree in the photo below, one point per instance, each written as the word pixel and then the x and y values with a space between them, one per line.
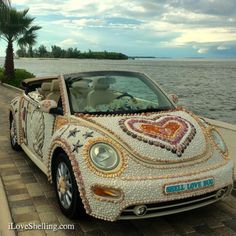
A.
pixel 3 13
pixel 5 2
pixel 17 28
pixel 3 10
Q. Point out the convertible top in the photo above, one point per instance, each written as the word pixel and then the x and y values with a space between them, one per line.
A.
pixel 31 81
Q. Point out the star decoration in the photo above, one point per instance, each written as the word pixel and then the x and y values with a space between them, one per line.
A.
pixel 88 135
pixel 73 132
pixel 77 146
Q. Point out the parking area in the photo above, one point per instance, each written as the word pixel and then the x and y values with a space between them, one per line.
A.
pixel 32 200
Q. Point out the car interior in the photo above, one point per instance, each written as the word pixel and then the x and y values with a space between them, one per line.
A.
pixel 101 93
pixel 54 91
pixel 49 90
pixel 87 95
pixel 78 92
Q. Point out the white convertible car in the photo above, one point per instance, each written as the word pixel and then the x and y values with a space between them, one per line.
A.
pixel 117 147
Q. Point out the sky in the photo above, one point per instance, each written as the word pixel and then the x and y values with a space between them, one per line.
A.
pixel 170 28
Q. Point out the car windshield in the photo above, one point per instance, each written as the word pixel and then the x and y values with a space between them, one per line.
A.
pixel 114 92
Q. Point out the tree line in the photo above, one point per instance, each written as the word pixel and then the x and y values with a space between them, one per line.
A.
pixel 16 26
pixel 58 52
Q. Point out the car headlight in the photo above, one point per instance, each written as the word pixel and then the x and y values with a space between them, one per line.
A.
pixel 218 141
pixel 104 157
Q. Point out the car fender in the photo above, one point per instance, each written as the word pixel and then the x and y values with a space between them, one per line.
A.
pixel 71 138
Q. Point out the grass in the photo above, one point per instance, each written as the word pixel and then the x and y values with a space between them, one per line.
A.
pixel 20 74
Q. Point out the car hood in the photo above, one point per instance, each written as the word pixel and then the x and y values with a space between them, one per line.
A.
pixel 173 136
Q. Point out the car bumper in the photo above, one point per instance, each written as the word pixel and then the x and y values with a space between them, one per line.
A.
pixel 150 193
pixel 174 206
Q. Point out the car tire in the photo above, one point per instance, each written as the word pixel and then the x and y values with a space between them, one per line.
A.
pixel 13 135
pixel 66 188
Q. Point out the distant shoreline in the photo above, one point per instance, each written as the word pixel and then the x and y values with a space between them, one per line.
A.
pixel 133 58
pixel 2 58
pixel 72 53
pixel 52 58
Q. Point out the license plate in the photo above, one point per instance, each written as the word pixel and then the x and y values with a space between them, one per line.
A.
pixel 189 186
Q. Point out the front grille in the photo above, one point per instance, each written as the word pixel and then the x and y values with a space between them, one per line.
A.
pixel 180 205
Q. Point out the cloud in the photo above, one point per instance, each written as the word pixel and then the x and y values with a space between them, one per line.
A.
pixel 210 7
pixel 222 48
pixel 163 24
pixel 202 50
pixel 206 35
pixel 67 43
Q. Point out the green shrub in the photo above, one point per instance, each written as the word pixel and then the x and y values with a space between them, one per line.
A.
pixel 20 74
pixel 1 74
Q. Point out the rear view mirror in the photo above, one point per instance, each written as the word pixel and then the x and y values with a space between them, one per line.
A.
pixel 174 98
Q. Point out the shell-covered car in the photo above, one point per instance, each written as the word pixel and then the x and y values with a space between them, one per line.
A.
pixel 116 146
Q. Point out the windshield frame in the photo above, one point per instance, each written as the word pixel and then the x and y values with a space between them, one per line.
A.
pixel 143 77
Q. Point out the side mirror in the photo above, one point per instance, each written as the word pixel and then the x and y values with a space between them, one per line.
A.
pixel 174 98
pixel 47 105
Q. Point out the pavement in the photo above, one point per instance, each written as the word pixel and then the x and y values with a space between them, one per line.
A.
pixel 5 213
pixel 31 199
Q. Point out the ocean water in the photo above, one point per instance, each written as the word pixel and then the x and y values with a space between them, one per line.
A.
pixel 206 87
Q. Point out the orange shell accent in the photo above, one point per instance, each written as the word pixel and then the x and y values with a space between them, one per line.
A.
pixel 60 121
pixel 168 130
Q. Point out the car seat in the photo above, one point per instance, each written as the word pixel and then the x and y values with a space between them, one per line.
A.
pixel 79 92
pixel 45 89
pixel 101 94
pixel 55 91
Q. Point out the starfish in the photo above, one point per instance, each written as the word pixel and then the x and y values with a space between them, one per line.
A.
pixel 88 135
pixel 77 146
pixel 73 132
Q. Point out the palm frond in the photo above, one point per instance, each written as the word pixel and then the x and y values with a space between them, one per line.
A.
pixel 34 28
pixel 24 12
pixel 28 39
pixel 17 24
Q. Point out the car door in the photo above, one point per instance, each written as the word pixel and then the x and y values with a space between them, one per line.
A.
pixel 37 128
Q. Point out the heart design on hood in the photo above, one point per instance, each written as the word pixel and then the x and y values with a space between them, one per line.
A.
pixel 170 132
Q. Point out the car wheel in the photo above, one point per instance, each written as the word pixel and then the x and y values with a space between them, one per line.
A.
pixel 66 188
pixel 13 135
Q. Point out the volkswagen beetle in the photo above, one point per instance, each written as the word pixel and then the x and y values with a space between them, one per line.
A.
pixel 116 146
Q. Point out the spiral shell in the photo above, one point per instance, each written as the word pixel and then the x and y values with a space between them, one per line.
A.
pixel 38 129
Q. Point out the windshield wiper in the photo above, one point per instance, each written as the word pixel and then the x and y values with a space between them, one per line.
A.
pixel 159 109
pixel 128 111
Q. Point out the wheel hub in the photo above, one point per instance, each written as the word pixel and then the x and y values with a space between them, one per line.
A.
pixel 64 185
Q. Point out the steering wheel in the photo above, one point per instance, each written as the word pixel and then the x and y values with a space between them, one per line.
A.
pixel 125 95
